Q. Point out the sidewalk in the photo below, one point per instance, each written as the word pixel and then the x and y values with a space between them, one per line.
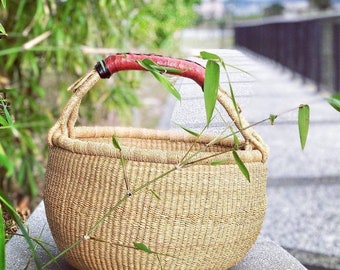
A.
pixel 303 186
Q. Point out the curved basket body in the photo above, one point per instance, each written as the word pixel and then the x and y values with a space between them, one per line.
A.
pixel 184 212
pixel 203 216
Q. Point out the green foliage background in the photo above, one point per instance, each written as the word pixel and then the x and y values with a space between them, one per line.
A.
pixel 52 43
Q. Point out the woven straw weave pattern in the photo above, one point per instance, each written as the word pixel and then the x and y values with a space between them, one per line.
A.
pixel 208 217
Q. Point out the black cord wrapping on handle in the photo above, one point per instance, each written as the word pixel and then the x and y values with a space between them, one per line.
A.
pixel 102 70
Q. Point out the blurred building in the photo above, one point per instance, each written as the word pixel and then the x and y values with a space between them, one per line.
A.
pixel 211 9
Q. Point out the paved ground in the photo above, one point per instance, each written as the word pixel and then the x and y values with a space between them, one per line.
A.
pixel 303 186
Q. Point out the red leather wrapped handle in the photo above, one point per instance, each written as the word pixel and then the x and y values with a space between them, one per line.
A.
pixel 128 61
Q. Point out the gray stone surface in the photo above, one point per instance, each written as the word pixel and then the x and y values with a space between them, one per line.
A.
pixel 265 255
pixel 305 220
pixel 268 255
pixel 18 256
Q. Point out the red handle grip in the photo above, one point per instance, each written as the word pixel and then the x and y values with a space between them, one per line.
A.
pixel 128 61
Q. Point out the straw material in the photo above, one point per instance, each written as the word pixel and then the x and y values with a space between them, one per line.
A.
pixel 206 217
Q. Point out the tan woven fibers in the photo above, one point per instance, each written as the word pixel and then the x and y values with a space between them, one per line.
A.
pixel 149 145
pixel 206 217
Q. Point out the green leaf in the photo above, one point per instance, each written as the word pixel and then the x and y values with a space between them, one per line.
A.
pixel 303 122
pixel 143 247
pixel 31 181
pixel 116 143
pixel 167 84
pixel 149 65
pixel 2 242
pixel 156 69
pixel 8 118
pixel 272 118
pixel 188 130
pixel 7 114
pixel 2 31
pixel 219 162
pixel 241 165
pixel 235 139
pixel 155 194
pixel 3 121
pixel 210 56
pixel 213 57
pixel 7 164
pixel 234 101
pixel 211 83
pixel 3 2
pixel 21 226
pixel 334 101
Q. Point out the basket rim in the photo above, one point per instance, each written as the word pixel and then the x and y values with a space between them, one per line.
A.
pixel 79 146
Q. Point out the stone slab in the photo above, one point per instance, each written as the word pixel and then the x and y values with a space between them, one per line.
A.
pixel 265 254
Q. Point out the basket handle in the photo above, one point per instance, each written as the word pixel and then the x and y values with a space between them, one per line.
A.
pixel 128 61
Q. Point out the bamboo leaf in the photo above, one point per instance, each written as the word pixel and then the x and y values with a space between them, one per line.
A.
pixel 143 247
pixel 219 162
pixel 8 118
pixel 272 118
pixel 2 31
pixel 235 139
pixel 211 83
pixel 2 242
pixel 334 101
pixel 43 245
pixel 3 2
pixel 234 100
pixel 303 122
pixel 7 164
pixel 155 71
pixel 116 143
pixel 3 121
pixel 213 57
pixel 21 226
pixel 210 56
pixel 188 130
pixel 241 165
pixel 155 194
pixel 167 84
pixel 149 65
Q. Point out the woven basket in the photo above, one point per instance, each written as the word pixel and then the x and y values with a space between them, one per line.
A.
pixel 206 217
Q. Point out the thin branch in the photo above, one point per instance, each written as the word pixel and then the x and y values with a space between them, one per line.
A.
pixel 30 44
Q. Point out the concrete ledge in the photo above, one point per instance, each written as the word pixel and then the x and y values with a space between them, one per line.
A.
pixel 265 255
pixel 18 255
pixel 268 255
